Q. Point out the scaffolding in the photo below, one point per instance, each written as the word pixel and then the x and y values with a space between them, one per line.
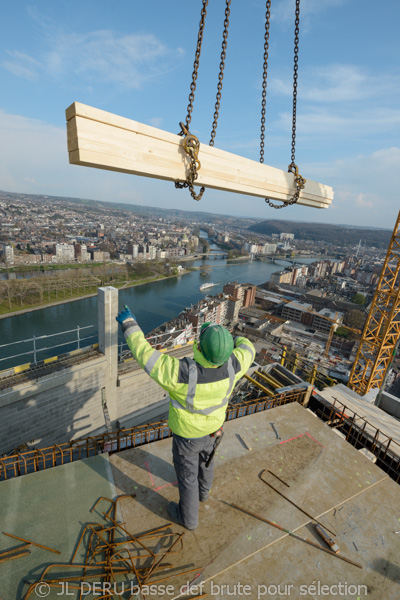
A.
pixel 382 328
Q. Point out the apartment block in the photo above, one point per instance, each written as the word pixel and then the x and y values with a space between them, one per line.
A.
pixel 280 277
pixel 297 311
pixel 8 254
pixel 234 305
pixel 65 253
pixel 249 295
pixel 321 321
pixel 81 253
pixel 133 250
pixel 234 289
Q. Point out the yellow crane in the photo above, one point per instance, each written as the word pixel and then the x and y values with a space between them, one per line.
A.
pixel 382 328
pixel 332 331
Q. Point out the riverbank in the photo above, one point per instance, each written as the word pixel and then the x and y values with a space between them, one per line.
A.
pixel 123 286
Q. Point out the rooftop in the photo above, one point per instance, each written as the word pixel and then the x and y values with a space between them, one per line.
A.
pixel 321 473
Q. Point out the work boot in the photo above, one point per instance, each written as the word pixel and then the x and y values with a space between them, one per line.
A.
pixel 175 514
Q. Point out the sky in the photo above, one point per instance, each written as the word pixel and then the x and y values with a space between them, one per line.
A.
pixel 135 58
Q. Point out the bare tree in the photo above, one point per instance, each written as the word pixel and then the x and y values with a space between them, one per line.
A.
pixel 5 292
pixel 20 290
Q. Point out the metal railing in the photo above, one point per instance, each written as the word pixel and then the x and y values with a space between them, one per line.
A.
pixel 305 368
pixel 22 463
pixel 360 433
pixel 159 341
pixel 35 351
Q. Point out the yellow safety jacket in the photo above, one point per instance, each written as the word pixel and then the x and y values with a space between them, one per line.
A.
pixel 198 391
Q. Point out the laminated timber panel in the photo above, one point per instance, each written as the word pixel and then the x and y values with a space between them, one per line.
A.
pixel 106 141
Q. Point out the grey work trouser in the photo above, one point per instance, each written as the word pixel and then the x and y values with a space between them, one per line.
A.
pixel 194 478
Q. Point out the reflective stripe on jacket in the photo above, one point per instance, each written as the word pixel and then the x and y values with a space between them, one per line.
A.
pixel 199 392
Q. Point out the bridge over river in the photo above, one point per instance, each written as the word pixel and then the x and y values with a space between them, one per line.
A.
pixel 297 260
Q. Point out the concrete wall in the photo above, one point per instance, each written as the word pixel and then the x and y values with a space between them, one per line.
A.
pixel 67 404
pixel 390 404
pixel 137 392
pixel 53 409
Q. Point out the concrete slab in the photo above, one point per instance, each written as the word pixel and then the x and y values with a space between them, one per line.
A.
pixel 49 507
pixel 327 477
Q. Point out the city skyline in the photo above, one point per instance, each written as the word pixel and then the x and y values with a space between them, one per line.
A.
pixel 137 62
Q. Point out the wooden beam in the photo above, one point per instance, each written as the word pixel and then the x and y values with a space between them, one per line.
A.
pixel 106 141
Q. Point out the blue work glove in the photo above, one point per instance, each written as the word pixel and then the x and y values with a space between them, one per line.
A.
pixel 125 314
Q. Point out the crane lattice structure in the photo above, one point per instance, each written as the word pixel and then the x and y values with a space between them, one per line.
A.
pixel 382 328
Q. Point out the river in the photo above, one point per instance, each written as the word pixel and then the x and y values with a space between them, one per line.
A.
pixel 152 303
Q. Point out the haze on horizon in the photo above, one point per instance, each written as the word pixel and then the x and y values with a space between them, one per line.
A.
pixel 136 60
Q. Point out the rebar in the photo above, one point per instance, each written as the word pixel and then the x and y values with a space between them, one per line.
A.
pixel 298 537
pixel 294 504
pixel 33 543
pixel 16 555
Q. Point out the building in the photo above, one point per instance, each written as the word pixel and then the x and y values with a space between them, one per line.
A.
pixel 99 255
pixel 152 252
pixel 65 253
pixel 269 248
pixel 234 289
pixel 8 254
pixel 298 312
pixel 249 295
pixel 133 250
pixel 234 305
pixel 222 310
pixel 251 248
pixel 299 273
pixel 27 259
pixel 321 321
pixel 280 277
pixel 81 253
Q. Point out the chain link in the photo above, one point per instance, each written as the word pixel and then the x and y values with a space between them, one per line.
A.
pixel 221 71
pixel 196 63
pixel 191 144
pixel 264 83
pixel 300 182
pixel 292 168
pixel 295 76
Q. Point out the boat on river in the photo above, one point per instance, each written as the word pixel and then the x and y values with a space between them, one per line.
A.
pixel 205 286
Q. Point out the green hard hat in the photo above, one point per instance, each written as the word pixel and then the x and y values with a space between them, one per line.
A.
pixel 216 343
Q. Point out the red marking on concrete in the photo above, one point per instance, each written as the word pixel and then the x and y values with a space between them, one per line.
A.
pixel 301 435
pixel 316 441
pixel 293 438
pixel 160 487
pixel 146 464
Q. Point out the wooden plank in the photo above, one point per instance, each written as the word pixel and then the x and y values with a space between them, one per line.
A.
pixel 91 134
pixel 124 155
pixel 102 140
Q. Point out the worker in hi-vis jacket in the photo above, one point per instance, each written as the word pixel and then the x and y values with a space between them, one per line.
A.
pixel 199 391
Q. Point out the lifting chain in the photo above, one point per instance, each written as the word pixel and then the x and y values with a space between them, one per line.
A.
pixel 292 168
pixel 264 83
pixel 191 144
pixel 221 71
pixel 196 64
